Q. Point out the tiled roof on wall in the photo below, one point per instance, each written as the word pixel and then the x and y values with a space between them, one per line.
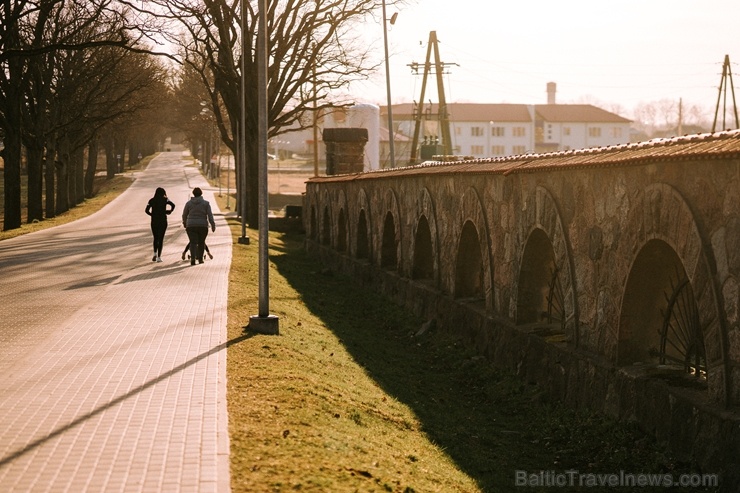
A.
pixel 690 147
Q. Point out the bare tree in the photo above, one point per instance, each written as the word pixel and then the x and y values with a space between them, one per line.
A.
pixel 32 34
pixel 314 52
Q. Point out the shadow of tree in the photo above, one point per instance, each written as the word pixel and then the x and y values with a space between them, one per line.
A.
pixel 64 428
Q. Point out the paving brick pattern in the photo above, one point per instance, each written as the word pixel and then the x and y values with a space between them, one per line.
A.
pixel 112 367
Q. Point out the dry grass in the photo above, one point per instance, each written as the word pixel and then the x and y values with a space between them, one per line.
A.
pixel 106 190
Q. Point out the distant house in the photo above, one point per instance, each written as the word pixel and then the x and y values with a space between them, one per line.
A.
pixel 401 148
pixel 492 130
pixel 476 130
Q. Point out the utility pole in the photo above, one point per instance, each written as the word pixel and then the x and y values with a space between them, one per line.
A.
pixel 264 322
pixel 241 165
pixel 392 152
pixel 442 115
pixel 315 125
pixel 726 74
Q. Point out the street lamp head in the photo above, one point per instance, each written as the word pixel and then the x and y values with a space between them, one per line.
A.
pixel 393 18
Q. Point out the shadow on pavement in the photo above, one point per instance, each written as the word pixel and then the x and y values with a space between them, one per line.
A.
pixel 118 400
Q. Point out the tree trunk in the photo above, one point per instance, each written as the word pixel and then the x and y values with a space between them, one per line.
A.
pixel 110 159
pixel 12 133
pixel 12 180
pixel 35 204
pixel 252 184
pixel 50 179
pixel 62 204
pixel 92 165
pixel 71 167
pixel 63 178
pixel 78 157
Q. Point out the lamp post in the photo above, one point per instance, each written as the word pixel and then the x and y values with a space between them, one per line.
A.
pixel 315 149
pixel 241 161
pixel 263 322
pixel 228 184
pixel 391 149
pixel 218 172
pixel 315 124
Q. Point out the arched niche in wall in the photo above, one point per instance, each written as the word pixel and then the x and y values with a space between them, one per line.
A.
pixel 546 267
pixel 472 269
pixel 362 231
pixel 326 226
pixel 342 233
pixel 469 265
pixel 312 205
pixel 425 260
pixel 539 293
pixel 659 322
pixel 313 228
pixel 326 219
pixel 390 247
pixel 666 279
pixel 362 247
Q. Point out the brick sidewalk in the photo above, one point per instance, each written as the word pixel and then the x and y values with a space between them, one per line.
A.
pixel 112 367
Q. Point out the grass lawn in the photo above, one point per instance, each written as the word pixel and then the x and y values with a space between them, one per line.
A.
pixel 106 190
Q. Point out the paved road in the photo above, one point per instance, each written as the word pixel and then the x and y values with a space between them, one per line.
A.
pixel 112 367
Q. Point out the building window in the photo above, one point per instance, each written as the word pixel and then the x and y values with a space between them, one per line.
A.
pixel 498 150
pixel 476 150
pixel 476 131
pixel 497 131
pixel 519 131
pixel 617 132
pixel 594 132
pixel 566 130
pixel 458 131
pixel 519 149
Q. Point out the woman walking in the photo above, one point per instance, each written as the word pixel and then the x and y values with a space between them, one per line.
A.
pixel 158 209
pixel 196 215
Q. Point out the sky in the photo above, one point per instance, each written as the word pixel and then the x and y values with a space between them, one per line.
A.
pixel 616 55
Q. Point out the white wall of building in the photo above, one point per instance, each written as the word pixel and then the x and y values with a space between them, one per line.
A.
pixel 367 116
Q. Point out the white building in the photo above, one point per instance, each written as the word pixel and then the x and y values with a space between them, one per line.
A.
pixel 476 130
pixel 493 130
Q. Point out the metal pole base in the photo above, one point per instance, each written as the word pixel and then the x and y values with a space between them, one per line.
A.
pixel 264 325
pixel 243 240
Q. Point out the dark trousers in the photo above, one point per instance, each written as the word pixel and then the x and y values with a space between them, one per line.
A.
pixel 158 230
pixel 197 236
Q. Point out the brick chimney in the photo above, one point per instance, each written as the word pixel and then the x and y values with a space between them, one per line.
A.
pixel 551 89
